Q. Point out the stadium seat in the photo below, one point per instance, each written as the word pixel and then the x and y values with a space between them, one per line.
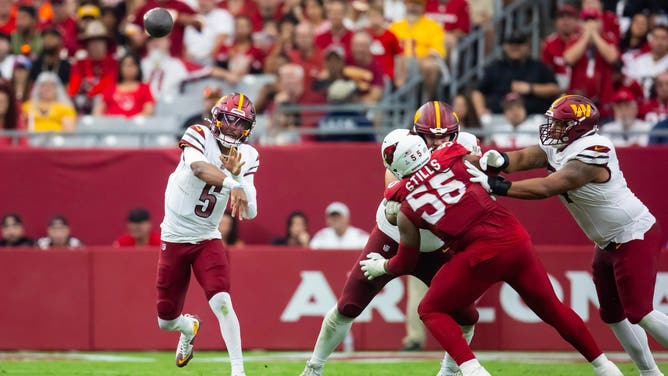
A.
pixel 251 84
pixel 182 106
pixel 197 87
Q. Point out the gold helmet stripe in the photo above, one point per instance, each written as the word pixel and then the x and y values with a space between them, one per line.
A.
pixel 437 108
pixel 241 101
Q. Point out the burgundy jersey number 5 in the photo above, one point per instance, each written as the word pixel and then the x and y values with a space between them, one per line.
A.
pixel 433 196
pixel 208 200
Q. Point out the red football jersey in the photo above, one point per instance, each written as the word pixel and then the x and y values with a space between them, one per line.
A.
pixel 453 14
pixel 553 53
pixel 127 103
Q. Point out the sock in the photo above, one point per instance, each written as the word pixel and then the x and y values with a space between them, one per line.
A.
pixel 181 324
pixel 221 305
pixel 656 324
pixel 333 330
pixel 449 366
pixel 471 366
pixel 601 360
pixel 634 341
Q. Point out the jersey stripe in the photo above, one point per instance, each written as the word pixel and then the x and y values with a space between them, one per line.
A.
pixel 197 128
pixel 183 143
pixel 190 138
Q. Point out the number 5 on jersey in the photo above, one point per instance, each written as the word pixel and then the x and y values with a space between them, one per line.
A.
pixel 208 200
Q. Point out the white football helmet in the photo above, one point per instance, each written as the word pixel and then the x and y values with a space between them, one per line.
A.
pixel 470 142
pixel 404 153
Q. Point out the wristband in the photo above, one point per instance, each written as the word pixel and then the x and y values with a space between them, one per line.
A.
pixel 506 161
pixel 499 185
pixel 230 183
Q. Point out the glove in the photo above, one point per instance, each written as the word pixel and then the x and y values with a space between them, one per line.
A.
pixel 494 159
pixel 392 208
pixel 374 266
pixel 492 184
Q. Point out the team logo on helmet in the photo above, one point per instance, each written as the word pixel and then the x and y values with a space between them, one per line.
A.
pixel 581 110
pixel 388 153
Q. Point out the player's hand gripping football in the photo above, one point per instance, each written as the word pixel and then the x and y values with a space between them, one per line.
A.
pixel 374 266
pixel 232 162
pixel 239 203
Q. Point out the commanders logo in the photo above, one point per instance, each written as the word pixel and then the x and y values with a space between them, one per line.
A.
pixel 581 110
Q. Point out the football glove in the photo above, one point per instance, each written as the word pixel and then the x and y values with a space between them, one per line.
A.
pixel 492 184
pixel 374 266
pixel 494 159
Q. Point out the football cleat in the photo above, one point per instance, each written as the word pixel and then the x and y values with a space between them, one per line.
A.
pixel 311 370
pixel 446 372
pixel 608 369
pixel 184 350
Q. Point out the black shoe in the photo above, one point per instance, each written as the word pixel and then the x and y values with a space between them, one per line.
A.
pixel 411 346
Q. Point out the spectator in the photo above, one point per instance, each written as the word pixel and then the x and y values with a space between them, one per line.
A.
pixel 9 111
pixel 13 233
pixel 453 15
pixel 49 108
pixel 86 14
pixel 244 8
pixel 58 235
pixel 394 10
pixel 26 39
pixel 139 230
pixel 656 109
pixel 314 13
pixel 21 78
pixel 218 27
pixel 423 39
pixel 163 72
pixel 66 25
pixel 515 72
pixel 129 96
pixel 592 54
pixel 183 16
pixel 357 17
pixel 344 122
pixel 229 230
pixel 335 59
pixel 6 58
pixel 296 231
pixel 626 111
pixel 110 19
pixel 385 47
pixel 240 58
pixel 7 19
pixel 210 96
pixel 645 67
pixel 338 234
pixel 661 126
pixel 519 131
pixel 363 69
pixel 94 73
pixel 554 45
pixel 276 42
pixel 306 54
pixel 49 59
pixel 609 22
pixel 466 113
pixel 337 33
pixel 634 41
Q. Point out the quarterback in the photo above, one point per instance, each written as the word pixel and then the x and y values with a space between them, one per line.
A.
pixel 490 246
pixel 585 174
pixel 216 165
pixel 436 124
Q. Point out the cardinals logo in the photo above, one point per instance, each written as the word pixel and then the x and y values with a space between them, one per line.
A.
pixel 388 153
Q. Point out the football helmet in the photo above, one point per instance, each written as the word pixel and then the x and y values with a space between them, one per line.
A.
pixel 436 119
pixel 404 153
pixel 232 119
pixel 569 118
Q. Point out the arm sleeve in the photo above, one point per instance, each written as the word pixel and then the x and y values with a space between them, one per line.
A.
pixel 404 261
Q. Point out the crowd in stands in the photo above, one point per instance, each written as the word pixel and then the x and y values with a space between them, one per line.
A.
pixel 61 59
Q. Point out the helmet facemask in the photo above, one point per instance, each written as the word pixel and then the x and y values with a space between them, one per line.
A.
pixel 229 128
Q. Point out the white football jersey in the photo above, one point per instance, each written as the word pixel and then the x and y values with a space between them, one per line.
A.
pixel 193 208
pixel 428 241
pixel 606 212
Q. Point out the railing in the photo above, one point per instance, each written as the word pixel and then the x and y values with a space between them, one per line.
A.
pixel 468 58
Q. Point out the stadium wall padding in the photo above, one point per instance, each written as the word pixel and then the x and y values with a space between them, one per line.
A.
pixel 101 298
pixel 95 189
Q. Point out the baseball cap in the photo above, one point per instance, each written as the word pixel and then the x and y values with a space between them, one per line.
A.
pixel 623 95
pixel 58 220
pixel 11 218
pixel 567 10
pixel 88 11
pixel 337 207
pixel 335 49
pixel 512 98
pixel 138 215
pixel 516 37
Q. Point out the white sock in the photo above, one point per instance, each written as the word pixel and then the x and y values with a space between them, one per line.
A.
pixel 601 360
pixel 449 366
pixel 656 324
pixel 634 341
pixel 221 305
pixel 333 330
pixel 472 366
pixel 181 324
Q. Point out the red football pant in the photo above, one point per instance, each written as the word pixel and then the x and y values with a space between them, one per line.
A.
pixel 461 281
pixel 358 291
pixel 625 275
pixel 207 260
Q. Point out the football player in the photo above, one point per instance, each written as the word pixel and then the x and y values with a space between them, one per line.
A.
pixel 216 165
pixel 436 123
pixel 491 244
pixel 585 174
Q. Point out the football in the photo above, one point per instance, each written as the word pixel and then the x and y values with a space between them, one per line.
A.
pixel 158 22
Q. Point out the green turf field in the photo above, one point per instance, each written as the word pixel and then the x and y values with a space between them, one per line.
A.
pixel 215 363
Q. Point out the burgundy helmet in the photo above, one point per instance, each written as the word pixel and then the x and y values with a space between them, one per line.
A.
pixel 436 119
pixel 576 115
pixel 232 119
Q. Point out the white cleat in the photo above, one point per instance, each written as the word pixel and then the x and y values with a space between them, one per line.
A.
pixel 478 371
pixel 653 372
pixel 311 370
pixel 184 351
pixel 447 372
pixel 608 369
